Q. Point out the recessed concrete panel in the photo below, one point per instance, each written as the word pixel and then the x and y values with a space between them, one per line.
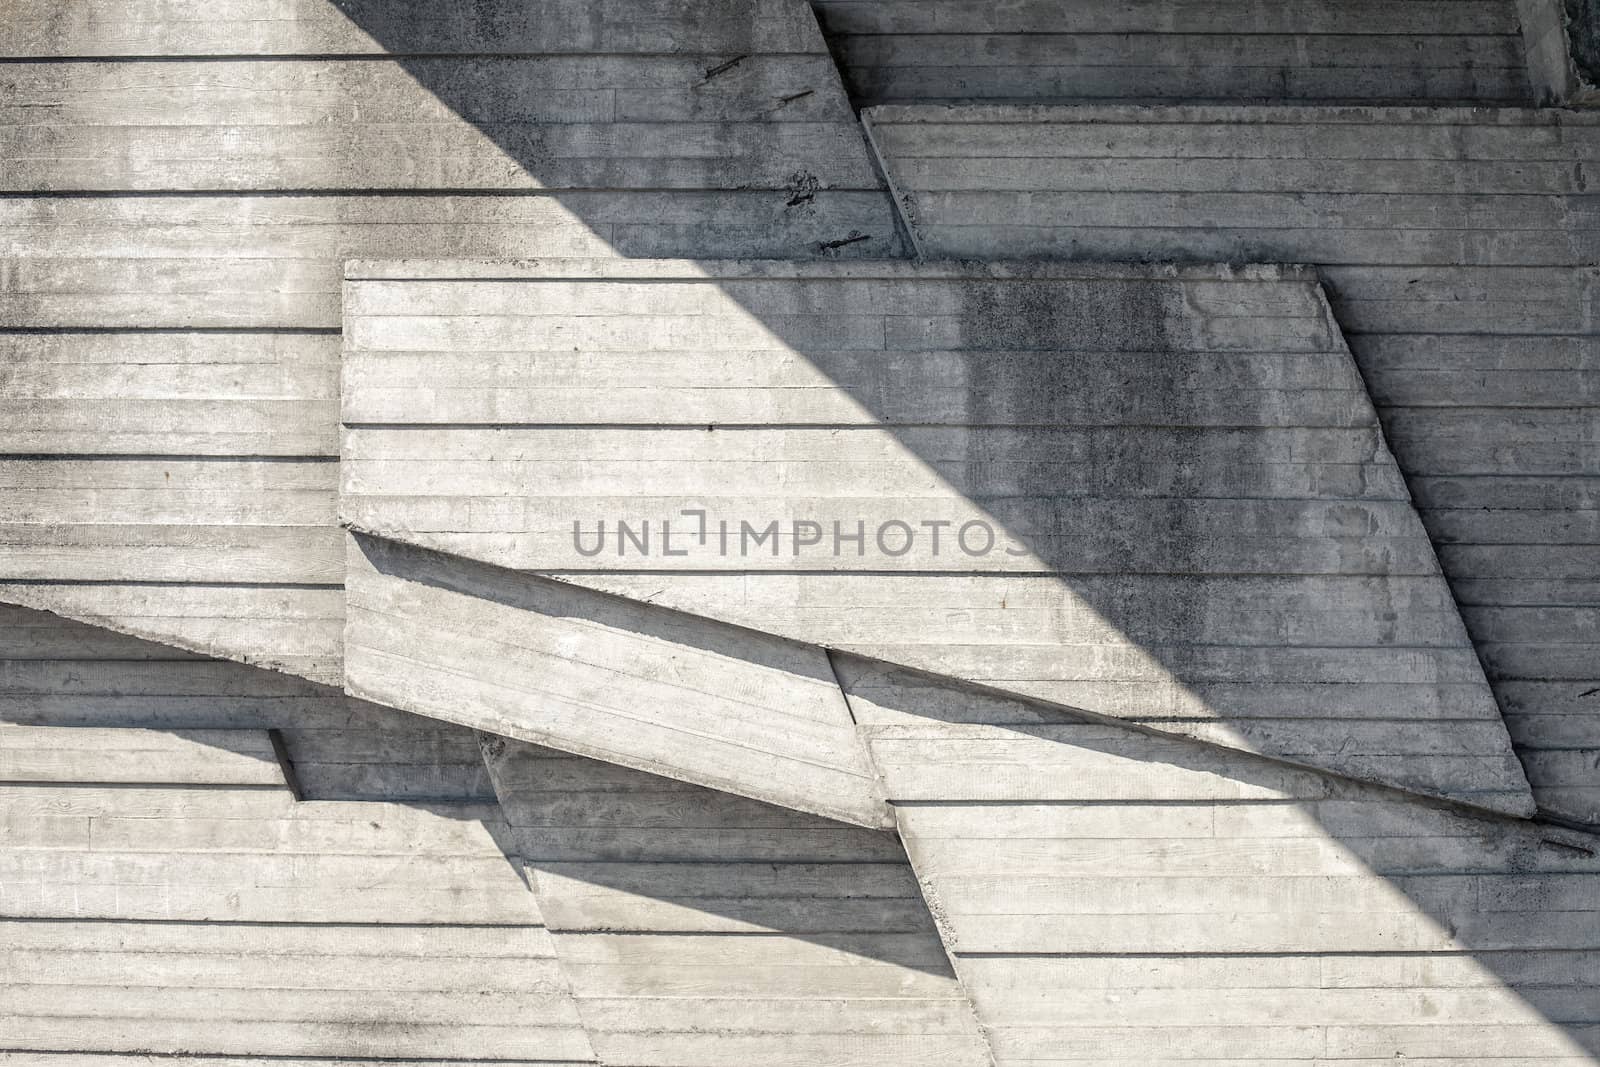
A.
pixel 699 927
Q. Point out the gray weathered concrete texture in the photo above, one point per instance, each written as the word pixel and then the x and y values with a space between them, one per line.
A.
pixel 1219 542
pixel 911 51
pixel 1553 40
pixel 617 680
pixel 162 894
pixel 1125 900
pixel 1460 252
pixel 184 179
pixel 701 928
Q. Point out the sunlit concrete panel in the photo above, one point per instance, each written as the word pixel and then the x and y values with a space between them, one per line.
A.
pixel 1118 897
pixel 614 679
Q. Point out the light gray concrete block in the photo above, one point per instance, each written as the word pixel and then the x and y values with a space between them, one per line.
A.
pixel 654 690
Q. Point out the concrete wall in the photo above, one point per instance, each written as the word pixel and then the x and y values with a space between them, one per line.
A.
pixel 659 691
pixel 1119 899
pixel 163 894
pixel 910 51
pixel 1209 534
pixel 1460 253
pixel 701 928
pixel 183 180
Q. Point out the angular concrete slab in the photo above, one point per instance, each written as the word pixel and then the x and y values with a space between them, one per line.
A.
pixel 698 927
pixel 1157 494
pixel 1460 249
pixel 1123 898
pixel 617 680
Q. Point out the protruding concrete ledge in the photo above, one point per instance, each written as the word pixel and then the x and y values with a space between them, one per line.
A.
pixel 624 682
pixel 1188 515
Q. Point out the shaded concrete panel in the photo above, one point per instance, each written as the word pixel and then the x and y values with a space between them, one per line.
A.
pixel 699 927
pixel 1459 248
pixel 1162 494
pixel 912 51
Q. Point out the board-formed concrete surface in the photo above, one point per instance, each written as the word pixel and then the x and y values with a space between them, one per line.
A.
pixel 1120 899
pixel 163 894
pixel 1461 253
pixel 701 928
pixel 179 183
pixel 183 180
pixel 1164 495
pixel 659 691
pixel 925 51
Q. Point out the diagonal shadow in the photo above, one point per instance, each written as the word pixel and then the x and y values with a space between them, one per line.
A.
pixel 830 885
pixel 1030 386
pixel 1022 445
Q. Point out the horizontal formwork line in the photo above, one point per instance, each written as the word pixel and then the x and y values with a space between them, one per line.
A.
pixel 1434 476
pixel 1124 34
pixel 171 655
pixel 933 271
pixel 1232 114
pixel 1181 63
pixel 1351 333
pixel 220 787
pixel 401 57
pixel 1175 157
pixel 167 457
pixel 986 498
pixel 1554 604
pixel 1478 407
pixel 1508 335
pixel 1300 954
pixel 143 1054
pixel 767 935
pixel 98 331
pixel 536 861
pixel 1130 803
pixel 57 920
pixel 861 427
pixel 1457 543
pixel 421 192
pixel 1169 191
pixel 1076 227
pixel 49 583
pixel 611 572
